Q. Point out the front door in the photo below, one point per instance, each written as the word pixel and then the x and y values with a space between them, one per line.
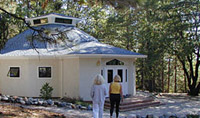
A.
pixel 110 72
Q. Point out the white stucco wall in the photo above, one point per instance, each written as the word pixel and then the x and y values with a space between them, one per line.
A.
pixel 28 84
pixel 70 81
pixel 71 77
pixel 132 79
pixel 88 70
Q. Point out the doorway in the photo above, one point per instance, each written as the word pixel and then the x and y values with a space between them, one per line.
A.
pixel 110 72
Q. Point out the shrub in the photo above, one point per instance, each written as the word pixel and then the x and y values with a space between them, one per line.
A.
pixel 46 91
pixel 193 116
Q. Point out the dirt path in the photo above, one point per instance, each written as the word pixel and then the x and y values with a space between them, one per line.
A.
pixel 10 111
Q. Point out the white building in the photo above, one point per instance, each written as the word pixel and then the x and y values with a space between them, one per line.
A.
pixel 69 65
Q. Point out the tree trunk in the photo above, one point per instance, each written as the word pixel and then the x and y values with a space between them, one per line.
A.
pixel 194 91
pixel 128 38
pixel 168 76
pixel 142 75
pixel 162 78
pixel 175 73
pixel 185 83
pixel 191 77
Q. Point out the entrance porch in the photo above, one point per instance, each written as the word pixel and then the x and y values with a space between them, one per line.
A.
pixel 135 103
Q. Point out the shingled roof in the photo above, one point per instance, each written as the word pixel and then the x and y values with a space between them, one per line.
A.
pixel 76 42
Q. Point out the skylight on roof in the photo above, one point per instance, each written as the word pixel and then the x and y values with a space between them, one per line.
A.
pixel 52 19
pixel 62 20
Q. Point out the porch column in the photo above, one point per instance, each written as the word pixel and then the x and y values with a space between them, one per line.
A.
pixel 134 80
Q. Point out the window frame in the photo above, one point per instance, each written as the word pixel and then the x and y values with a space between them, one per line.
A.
pixel 110 61
pixel 44 77
pixel 14 77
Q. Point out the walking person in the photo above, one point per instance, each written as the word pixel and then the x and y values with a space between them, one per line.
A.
pixel 115 95
pixel 98 94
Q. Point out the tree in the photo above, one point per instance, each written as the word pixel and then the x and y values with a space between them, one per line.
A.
pixel 150 43
pixel 46 91
pixel 3 29
pixel 183 23
pixel 169 29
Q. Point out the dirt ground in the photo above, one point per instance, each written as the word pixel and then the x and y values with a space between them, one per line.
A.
pixel 8 111
pixel 179 104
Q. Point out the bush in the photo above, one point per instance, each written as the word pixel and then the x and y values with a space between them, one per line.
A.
pixel 46 91
pixel 193 116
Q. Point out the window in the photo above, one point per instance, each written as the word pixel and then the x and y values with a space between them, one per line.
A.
pixel 40 21
pixel 62 20
pixel 120 73
pixel 115 62
pixel 110 76
pixel 14 72
pixel 44 72
pixel 36 21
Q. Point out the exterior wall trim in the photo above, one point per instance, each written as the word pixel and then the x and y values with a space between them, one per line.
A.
pixel 15 78
pixel 73 56
pixel 45 78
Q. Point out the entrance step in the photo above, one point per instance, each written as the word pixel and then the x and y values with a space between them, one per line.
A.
pixel 134 103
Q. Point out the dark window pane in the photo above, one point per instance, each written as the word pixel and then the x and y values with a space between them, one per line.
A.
pixel 45 72
pixel 110 76
pixel 115 62
pixel 14 72
pixel 37 21
pixel 120 73
pixel 61 20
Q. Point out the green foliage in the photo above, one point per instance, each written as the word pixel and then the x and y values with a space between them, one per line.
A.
pixel 151 43
pixel 46 91
pixel 192 116
pixel 169 30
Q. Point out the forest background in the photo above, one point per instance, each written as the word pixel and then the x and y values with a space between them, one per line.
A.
pixel 167 31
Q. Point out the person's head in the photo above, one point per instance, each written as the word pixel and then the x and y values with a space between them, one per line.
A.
pixel 98 80
pixel 117 78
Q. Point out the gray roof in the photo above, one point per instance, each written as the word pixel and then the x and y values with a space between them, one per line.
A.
pixel 76 42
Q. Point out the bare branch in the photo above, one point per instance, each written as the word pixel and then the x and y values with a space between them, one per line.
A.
pixel 19 18
pixel 40 32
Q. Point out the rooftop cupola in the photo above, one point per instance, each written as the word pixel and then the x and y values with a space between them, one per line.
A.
pixel 52 18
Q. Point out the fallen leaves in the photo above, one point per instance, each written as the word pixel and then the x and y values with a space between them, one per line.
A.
pixel 8 111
